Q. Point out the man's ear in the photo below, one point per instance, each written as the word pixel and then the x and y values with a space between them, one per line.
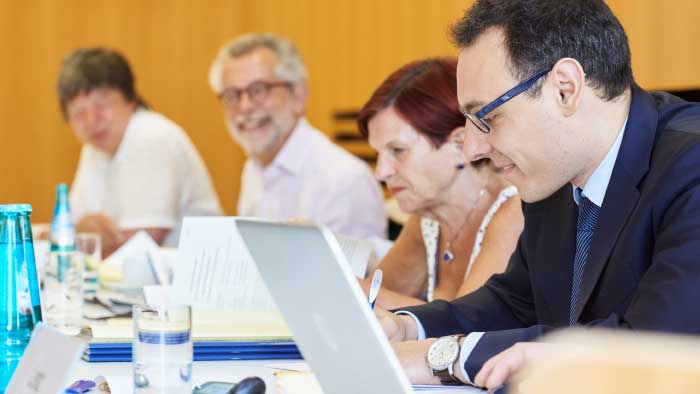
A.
pixel 569 80
pixel 300 92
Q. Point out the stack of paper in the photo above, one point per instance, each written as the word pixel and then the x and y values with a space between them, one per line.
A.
pixel 217 335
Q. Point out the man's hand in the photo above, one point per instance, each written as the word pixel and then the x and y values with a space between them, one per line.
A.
pixel 397 327
pixel 501 367
pixel 98 223
pixel 411 355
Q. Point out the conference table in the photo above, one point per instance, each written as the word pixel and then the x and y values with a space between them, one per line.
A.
pixel 118 375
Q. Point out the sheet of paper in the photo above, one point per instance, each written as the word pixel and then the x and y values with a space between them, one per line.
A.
pixel 358 253
pixel 47 363
pixel 156 295
pixel 428 388
pixel 168 257
pixel 299 366
pixel 304 381
pixel 140 261
pixel 213 268
pixel 125 384
pixel 120 383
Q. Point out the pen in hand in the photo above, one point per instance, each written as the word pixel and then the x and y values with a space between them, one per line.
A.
pixel 374 287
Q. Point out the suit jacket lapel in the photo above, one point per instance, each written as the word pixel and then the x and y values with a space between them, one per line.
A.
pixel 622 194
pixel 555 253
pixel 620 199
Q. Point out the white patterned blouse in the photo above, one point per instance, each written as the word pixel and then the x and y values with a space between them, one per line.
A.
pixel 430 230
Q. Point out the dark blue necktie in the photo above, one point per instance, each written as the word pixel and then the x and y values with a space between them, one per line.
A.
pixel 587 219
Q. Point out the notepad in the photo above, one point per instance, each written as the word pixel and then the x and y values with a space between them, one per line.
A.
pixel 208 325
pixel 217 335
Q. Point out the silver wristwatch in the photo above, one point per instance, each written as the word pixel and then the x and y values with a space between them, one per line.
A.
pixel 441 356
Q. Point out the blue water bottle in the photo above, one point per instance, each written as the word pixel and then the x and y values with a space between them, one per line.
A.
pixel 62 228
pixel 19 288
pixel 31 285
pixel 62 234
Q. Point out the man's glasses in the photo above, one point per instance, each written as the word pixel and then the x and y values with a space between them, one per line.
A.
pixel 257 92
pixel 478 118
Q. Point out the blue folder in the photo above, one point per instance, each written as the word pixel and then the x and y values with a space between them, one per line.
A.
pixel 203 351
pixel 97 358
pixel 205 345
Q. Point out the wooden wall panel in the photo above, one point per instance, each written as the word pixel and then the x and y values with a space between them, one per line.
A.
pixel 170 46
pixel 349 47
pixel 663 40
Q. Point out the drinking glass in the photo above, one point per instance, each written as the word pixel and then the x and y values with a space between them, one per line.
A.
pixel 42 246
pixel 90 244
pixel 62 292
pixel 162 349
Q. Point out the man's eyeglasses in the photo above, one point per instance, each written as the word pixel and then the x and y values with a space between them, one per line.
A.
pixel 478 118
pixel 257 92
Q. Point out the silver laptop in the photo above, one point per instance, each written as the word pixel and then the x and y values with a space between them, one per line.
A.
pixel 314 288
pixel 329 316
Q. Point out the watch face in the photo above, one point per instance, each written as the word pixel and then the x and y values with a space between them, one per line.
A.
pixel 443 353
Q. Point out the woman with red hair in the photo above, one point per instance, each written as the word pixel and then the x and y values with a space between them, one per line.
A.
pixel 465 218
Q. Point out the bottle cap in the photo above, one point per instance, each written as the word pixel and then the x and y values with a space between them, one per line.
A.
pixel 16 208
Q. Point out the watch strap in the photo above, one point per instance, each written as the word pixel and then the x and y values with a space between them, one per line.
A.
pixel 446 375
pixel 446 378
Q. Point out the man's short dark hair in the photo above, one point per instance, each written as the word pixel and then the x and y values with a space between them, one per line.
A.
pixel 90 68
pixel 540 32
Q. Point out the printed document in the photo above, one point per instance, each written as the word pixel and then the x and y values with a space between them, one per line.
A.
pixel 213 267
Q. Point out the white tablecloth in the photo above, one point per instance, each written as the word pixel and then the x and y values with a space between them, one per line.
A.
pixel 119 374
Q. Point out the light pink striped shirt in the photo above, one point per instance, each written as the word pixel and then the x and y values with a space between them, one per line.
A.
pixel 312 178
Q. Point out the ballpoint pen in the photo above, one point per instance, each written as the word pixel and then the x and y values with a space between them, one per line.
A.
pixel 374 287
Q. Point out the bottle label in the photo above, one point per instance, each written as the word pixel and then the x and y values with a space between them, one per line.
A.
pixel 62 231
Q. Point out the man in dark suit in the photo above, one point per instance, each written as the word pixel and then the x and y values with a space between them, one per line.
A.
pixel 610 179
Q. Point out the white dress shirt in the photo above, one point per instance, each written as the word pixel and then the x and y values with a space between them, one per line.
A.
pixel 155 178
pixel 311 178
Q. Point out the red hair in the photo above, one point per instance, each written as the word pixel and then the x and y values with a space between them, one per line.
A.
pixel 424 94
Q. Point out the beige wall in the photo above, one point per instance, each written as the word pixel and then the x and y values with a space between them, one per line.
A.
pixel 349 46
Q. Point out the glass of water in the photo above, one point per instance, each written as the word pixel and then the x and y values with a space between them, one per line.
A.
pixel 90 244
pixel 62 291
pixel 42 246
pixel 162 349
